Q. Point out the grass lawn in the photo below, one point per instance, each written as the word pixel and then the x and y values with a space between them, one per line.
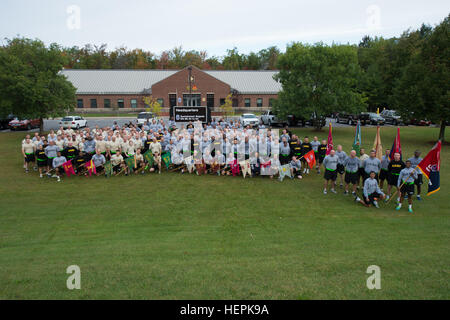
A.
pixel 173 236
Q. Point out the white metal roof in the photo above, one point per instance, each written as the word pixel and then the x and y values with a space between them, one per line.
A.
pixel 136 81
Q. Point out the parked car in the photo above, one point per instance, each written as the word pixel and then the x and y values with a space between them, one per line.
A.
pixel 27 124
pixel 269 118
pixel 4 121
pixel 352 119
pixel 248 119
pixel 73 122
pixel 143 117
pixel 391 117
pixel 376 119
pixel 312 121
pixel 419 122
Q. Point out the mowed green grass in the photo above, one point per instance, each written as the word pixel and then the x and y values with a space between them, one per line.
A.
pixel 174 236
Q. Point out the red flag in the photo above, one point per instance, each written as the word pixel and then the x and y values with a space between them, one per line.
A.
pixel 90 166
pixel 330 141
pixel 396 146
pixel 235 168
pixel 266 164
pixel 68 168
pixel 430 167
pixel 310 158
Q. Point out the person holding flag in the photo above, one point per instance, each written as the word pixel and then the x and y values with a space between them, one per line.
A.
pixel 99 160
pixel 384 168
pixel 57 163
pixel 414 163
pixel 406 185
pixel 430 167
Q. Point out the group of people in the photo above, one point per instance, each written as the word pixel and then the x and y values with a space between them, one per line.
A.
pixel 221 148
pixel 372 173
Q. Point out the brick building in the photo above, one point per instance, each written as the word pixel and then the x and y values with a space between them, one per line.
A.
pixel 102 90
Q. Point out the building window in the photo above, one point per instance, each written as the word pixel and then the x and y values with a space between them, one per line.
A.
pixel 235 102
pixel 210 100
pixel 193 100
pixel 259 102
pixel 133 103
pixel 271 100
pixel 172 100
pixel 222 101
pixel 161 102
pixel 93 103
pixel 120 103
pixel 80 103
pixel 247 102
pixel 107 103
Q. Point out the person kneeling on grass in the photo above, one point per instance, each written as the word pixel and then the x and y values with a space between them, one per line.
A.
pixel 296 168
pixel 58 161
pixel 371 192
pixel 99 160
pixel 406 179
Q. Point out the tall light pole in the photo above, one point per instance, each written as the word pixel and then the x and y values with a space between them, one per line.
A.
pixel 190 85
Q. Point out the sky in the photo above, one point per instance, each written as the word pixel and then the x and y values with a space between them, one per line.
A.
pixel 210 25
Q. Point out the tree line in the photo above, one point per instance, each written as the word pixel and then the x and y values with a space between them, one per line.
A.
pixel 98 57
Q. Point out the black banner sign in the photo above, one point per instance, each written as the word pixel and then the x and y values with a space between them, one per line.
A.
pixel 186 114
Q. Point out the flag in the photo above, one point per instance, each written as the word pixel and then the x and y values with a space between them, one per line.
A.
pixel 90 166
pixel 246 168
pixel 310 158
pixel 148 156
pixel 357 142
pixel 130 162
pixel 166 158
pixel 396 146
pixel 108 169
pixel 234 167
pixel 330 141
pixel 68 168
pixel 377 145
pixel 430 167
pixel 284 170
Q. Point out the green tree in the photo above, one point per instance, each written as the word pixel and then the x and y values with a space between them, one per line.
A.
pixel 30 81
pixel 318 80
pixel 424 87
pixel 227 107
pixel 152 105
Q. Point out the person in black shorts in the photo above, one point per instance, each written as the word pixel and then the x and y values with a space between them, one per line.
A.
pixel 321 152
pixel 394 168
pixel 41 159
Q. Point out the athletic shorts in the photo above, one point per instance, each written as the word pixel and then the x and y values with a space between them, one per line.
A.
pixel 42 164
pixel 392 179
pixel 297 172
pixel 372 197
pixel 50 162
pixel 408 189
pixel 29 158
pixel 351 177
pixel 284 159
pixel 117 168
pixel 99 168
pixel 361 173
pixel 383 174
pixel 340 168
pixel 60 170
pixel 321 159
pixel 330 175
pixel 419 180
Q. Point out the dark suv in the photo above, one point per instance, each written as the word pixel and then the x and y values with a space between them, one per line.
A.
pixel 4 121
pixel 352 119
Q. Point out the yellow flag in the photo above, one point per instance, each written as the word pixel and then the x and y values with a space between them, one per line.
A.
pixel 377 144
